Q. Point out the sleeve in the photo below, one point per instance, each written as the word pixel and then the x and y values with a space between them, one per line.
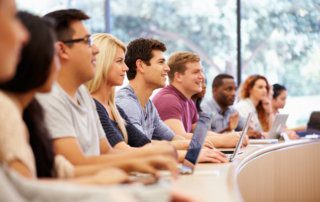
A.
pixel 168 107
pixel 113 136
pixel 57 115
pixel 135 137
pixel 161 131
pixel 242 109
pixel 14 143
pixel 130 106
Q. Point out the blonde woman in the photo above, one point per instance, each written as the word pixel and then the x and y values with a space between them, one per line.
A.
pixel 110 72
pixel 121 133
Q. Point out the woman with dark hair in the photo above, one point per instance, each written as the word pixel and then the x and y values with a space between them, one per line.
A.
pixel 279 97
pixel 197 98
pixel 254 97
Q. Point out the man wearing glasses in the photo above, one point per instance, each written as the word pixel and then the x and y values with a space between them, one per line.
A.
pixel 70 112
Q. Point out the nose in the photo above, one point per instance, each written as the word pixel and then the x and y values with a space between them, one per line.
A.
pixel 166 68
pixel 125 68
pixel 95 49
pixel 23 34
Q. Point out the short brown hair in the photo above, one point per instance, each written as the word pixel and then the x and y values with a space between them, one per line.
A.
pixel 141 48
pixel 178 60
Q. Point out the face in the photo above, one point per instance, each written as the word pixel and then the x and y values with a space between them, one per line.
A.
pixel 82 55
pixel 192 78
pixel 54 70
pixel 204 88
pixel 12 37
pixel 226 93
pixel 117 71
pixel 259 90
pixel 156 73
pixel 280 101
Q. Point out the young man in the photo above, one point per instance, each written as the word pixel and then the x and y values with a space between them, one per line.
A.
pixel 224 117
pixel 70 112
pixel 147 72
pixel 12 37
pixel 174 102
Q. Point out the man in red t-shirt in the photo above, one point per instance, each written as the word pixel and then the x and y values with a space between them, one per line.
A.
pixel 174 102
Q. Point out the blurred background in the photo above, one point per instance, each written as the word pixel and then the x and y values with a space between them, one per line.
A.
pixel 280 38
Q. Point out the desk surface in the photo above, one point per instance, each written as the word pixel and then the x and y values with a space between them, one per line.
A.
pixel 217 182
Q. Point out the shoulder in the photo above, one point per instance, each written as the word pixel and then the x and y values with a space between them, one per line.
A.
pixel 9 111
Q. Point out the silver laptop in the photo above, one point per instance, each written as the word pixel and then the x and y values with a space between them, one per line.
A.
pixel 239 144
pixel 278 125
pixel 196 144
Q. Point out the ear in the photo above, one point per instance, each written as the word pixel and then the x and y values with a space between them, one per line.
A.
pixel 63 51
pixel 140 66
pixel 177 77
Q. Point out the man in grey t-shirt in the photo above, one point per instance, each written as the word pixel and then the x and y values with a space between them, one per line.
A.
pixel 146 120
pixel 70 113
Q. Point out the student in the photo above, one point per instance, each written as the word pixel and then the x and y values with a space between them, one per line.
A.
pixel 279 98
pixel 198 97
pixel 70 112
pixel 12 37
pixel 174 103
pixel 224 117
pixel 110 72
pixel 254 97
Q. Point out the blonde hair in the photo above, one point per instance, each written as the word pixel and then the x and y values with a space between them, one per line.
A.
pixel 107 45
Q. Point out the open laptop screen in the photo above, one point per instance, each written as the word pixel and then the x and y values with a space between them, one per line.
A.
pixel 198 138
pixel 243 133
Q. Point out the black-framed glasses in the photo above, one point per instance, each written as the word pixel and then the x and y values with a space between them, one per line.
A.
pixel 87 39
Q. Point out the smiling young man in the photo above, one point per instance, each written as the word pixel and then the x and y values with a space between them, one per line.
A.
pixel 174 102
pixel 224 116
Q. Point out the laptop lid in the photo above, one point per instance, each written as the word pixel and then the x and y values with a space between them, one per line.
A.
pixel 197 140
pixel 243 133
pixel 278 125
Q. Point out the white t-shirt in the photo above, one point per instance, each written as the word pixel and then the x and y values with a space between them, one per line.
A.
pixel 14 136
pixel 244 107
pixel 64 118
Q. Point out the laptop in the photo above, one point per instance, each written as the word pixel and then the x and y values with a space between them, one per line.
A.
pixel 278 125
pixel 237 151
pixel 196 144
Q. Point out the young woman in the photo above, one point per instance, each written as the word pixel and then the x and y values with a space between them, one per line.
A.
pixel 111 71
pixel 279 98
pixel 254 97
pixel 197 98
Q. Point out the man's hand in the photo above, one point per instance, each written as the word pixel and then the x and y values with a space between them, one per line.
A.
pixel 152 165
pixel 233 121
pixel 212 156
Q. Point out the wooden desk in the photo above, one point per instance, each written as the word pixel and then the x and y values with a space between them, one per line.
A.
pixel 279 172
